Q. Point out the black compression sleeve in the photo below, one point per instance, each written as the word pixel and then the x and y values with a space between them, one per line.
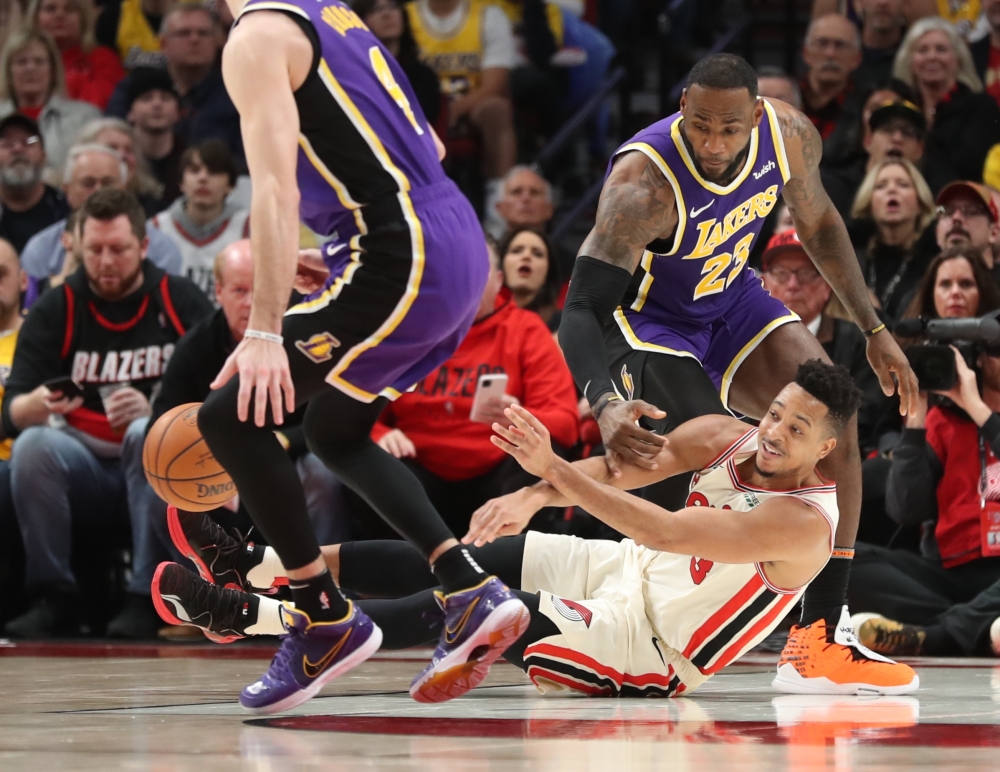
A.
pixel 595 291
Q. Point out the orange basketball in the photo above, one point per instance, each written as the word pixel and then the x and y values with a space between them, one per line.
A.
pixel 179 465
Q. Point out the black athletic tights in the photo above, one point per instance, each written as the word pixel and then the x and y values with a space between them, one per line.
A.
pixel 682 389
pixel 337 430
pixel 394 569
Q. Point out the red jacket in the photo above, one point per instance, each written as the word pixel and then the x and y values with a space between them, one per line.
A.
pixel 435 416
pixel 955 441
pixel 92 77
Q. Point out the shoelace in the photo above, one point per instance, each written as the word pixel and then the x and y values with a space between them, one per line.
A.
pixel 894 639
pixel 283 656
pixel 223 606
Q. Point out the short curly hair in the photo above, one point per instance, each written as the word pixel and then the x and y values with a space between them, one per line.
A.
pixel 834 387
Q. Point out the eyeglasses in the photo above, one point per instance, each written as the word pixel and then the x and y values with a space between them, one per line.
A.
pixel 805 276
pixel 837 45
pixel 11 144
pixel 966 210
pixel 906 129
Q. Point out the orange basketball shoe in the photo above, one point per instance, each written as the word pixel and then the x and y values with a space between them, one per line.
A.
pixel 817 660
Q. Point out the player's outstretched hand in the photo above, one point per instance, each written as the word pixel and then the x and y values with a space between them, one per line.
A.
pixel 889 362
pixel 506 515
pixel 262 367
pixel 624 441
pixel 527 440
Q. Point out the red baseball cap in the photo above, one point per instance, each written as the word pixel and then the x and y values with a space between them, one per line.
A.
pixel 973 189
pixel 782 243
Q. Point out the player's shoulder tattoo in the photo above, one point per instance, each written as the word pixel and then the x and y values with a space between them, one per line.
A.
pixel 636 206
pixel 797 127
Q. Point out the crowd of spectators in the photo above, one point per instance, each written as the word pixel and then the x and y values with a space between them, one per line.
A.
pixel 125 268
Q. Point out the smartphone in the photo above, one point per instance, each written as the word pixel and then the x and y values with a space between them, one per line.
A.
pixel 69 388
pixel 489 388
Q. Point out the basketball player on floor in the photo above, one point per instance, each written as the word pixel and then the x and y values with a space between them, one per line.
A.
pixel 334 133
pixel 693 332
pixel 641 617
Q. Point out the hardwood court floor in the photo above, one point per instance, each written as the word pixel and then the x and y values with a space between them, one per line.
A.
pixel 173 709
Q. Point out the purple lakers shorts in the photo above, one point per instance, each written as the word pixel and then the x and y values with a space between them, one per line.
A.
pixel 398 305
pixel 720 345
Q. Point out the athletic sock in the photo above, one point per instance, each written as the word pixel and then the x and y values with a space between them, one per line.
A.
pixel 939 643
pixel 319 598
pixel 261 566
pixel 826 595
pixel 262 616
pixel 456 570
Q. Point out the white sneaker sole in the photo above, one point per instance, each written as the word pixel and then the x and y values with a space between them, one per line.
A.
pixel 459 672
pixel 304 695
pixel 789 681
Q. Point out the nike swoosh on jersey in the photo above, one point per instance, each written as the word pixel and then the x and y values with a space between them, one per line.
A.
pixel 696 212
pixel 313 669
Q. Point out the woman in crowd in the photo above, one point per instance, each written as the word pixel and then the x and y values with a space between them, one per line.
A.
pixel 32 83
pixel 92 71
pixel 531 273
pixel 118 135
pixel 386 20
pixel 895 197
pixel 963 122
pixel 957 285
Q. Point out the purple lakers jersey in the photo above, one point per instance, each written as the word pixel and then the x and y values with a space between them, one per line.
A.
pixel 692 278
pixel 364 142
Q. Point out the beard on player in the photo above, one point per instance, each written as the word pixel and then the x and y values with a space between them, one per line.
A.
pixel 728 174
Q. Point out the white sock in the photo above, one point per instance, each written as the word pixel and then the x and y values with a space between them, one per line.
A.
pixel 263 575
pixel 268 618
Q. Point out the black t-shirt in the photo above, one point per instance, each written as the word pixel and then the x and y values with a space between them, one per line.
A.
pixel 168 172
pixel 19 227
pixel 197 359
pixel 129 340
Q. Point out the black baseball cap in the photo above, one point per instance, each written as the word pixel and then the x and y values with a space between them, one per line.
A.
pixel 17 119
pixel 142 80
pixel 898 109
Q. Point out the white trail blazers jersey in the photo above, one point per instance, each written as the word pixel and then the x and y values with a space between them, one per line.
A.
pixel 637 621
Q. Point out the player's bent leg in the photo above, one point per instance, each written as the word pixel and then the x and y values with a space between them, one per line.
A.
pixel 822 655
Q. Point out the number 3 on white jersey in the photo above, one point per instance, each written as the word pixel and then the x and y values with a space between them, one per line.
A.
pixel 384 74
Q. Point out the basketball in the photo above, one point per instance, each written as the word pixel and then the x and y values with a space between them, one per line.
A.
pixel 179 465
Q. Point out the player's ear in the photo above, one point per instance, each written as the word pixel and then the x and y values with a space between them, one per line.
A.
pixel 758 110
pixel 826 448
pixel 684 99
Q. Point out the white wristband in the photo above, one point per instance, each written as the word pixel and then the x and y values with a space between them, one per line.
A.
pixel 270 337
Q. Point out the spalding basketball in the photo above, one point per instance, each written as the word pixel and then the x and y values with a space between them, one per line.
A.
pixel 179 465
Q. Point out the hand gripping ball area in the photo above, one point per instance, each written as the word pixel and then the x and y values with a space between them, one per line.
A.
pixel 179 465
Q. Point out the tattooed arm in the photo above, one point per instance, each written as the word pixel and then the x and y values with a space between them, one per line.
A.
pixel 636 207
pixel 824 236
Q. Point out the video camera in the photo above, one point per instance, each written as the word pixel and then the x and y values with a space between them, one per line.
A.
pixel 934 362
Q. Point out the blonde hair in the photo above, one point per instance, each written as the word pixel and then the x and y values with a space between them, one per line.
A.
pixel 901 68
pixel 862 206
pixel 19 41
pixel 143 183
pixel 87 20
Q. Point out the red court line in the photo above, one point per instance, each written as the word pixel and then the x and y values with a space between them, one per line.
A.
pixel 922 735
pixel 154 650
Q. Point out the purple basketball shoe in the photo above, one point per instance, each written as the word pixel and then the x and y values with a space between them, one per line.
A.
pixel 479 625
pixel 311 655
